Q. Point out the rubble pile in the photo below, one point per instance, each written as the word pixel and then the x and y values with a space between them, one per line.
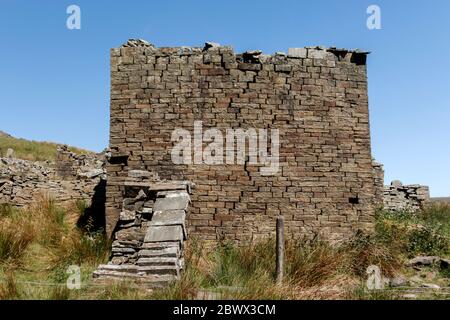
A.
pixel 22 181
pixel 399 197
pixel 148 241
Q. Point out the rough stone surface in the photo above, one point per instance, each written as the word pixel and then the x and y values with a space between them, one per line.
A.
pixel 410 198
pixel 398 282
pixel 148 243
pixel 378 181
pixel 423 261
pixel 297 52
pixel 72 177
pixel 319 103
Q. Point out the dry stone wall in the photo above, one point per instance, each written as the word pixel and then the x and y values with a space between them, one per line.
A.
pixel 410 198
pixel 72 166
pixel 316 97
pixel 378 181
pixel 22 182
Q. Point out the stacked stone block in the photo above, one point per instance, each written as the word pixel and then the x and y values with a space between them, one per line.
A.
pixel 316 97
pixel 410 198
pixel 378 181
pixel 71 166
pixel 149 238
pixel 22 182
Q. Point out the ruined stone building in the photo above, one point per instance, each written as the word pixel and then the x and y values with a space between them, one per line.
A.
pixel 315 97
pixel 209 143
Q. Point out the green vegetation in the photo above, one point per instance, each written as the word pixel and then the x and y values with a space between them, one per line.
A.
pixel 424 233
pixel 31 150
pixel 38 244
pixel 315 269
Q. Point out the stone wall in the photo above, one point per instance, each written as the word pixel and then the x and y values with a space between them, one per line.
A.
pixel 70 166
pixel 378 181
pixel 315 97
pixel 22 182
pixel 410 198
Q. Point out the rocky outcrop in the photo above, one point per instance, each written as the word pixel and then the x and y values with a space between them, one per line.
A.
pixel 149 237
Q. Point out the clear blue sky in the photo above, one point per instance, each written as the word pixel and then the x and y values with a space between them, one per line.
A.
pixel 54 82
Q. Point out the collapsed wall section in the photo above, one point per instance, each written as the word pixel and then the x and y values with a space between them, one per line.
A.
pixel 405 198
pixel 70 178
pixel 315 97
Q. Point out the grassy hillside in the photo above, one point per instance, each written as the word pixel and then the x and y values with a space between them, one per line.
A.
pixel 31 150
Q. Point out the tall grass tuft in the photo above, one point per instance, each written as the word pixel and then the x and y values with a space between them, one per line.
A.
pixel 16 234
pixel 312 262
pixel 365 250
pixel 8 288
pixel 194 276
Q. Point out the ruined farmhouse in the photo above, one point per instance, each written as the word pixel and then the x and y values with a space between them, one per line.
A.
pixel 315 97
pixel 208 143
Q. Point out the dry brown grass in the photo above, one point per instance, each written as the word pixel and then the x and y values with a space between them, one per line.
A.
pixel 312 262
pixel 38 243
pixel 44 239
pixel 8 287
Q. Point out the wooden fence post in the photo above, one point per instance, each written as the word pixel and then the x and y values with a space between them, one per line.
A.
pixel 280 249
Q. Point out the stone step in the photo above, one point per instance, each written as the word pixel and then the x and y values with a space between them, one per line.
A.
pixel 172 201
pixel 157 261
pixel 170 218
pixel 127 268
pixel 149 280
pixel 173 270
pixel 164 234
pixel 164 252
pixel 163 245
pixel 123 250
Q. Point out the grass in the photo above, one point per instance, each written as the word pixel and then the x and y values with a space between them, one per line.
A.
pixel 38 244
pixel 31 150
pixel 424 233
pixel 314 268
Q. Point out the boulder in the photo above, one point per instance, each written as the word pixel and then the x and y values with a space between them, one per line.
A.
pixel 398 282
pixel 423 261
